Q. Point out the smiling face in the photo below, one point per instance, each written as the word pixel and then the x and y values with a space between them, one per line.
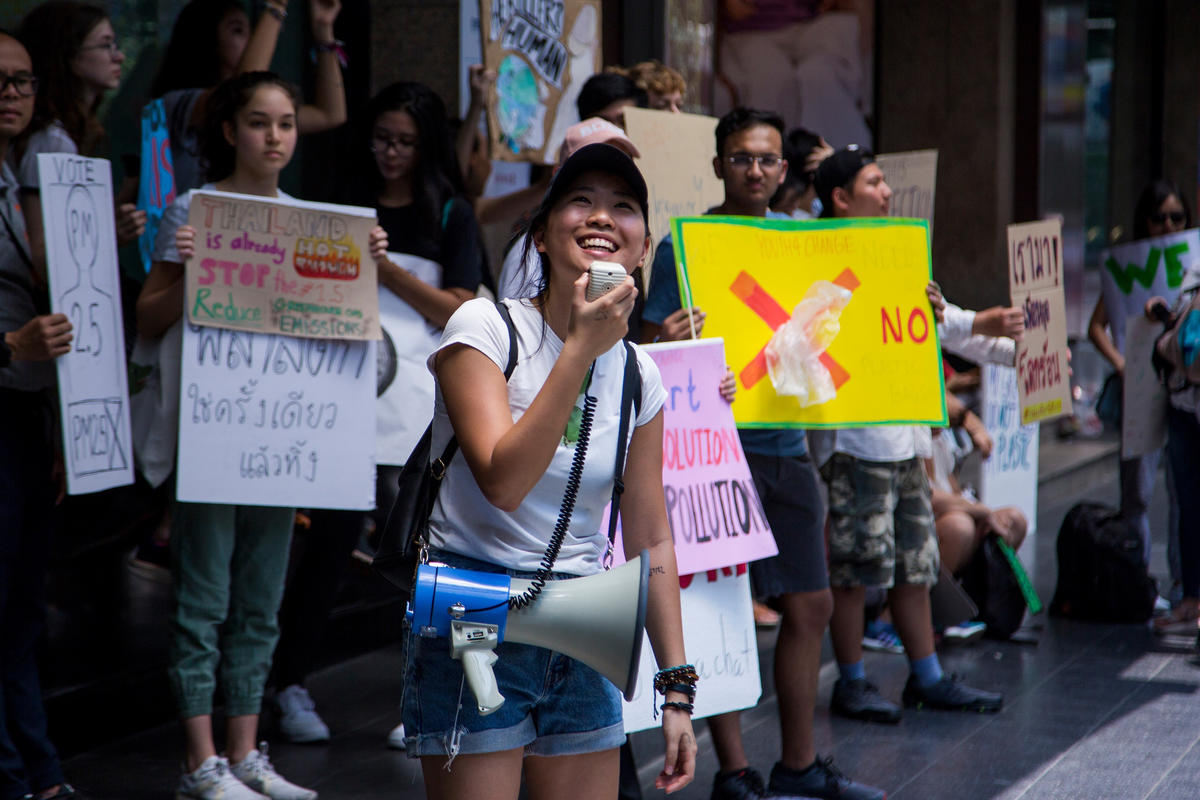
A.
pixel 264 131
pixel 395 140
pixel 598 218
pixel 15 110
pixel 98 62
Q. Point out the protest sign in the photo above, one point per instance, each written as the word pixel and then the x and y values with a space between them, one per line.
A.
pixel 912 177
pixel 1035 271
pixel 542 54
pixel 1143 398
pixel 720 641
pixel 282 266
pixel 791 284
pixel 1010 475
pixel 713 509
pixel 405 386
pixel 156 178
pixel 677 152
pixel 81 265
pixel 269 420
pixel 1133 273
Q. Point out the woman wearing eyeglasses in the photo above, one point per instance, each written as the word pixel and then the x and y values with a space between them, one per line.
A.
pixel 77 61
pixel 1160 210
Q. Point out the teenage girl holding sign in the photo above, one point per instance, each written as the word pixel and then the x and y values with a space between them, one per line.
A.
pixel 227 562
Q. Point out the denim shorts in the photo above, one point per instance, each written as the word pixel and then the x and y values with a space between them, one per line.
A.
pixel 553 704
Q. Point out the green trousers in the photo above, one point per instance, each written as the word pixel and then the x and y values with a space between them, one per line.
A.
pixel 228 565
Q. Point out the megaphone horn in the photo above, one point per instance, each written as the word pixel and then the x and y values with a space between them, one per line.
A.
pixel 598 620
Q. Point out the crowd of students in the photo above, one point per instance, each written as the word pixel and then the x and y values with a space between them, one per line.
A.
pixel 855 512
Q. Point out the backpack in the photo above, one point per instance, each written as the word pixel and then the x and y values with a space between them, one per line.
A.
pixel 991 584
pixel 1177 350
pixel 1101 574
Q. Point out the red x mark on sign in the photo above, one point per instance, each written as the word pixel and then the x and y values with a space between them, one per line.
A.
pixel 751 292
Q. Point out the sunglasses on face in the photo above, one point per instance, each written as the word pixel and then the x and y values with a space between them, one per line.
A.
pixel 1159 217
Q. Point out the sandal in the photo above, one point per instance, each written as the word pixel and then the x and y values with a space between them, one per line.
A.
pixel 1183 619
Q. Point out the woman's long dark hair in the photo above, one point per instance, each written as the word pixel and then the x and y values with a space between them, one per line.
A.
pixel 436 177
pixel 227 100
pixel 190 60
pixel 1150 200
pixel 53 33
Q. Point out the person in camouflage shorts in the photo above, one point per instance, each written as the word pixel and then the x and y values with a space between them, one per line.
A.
pixel 881 523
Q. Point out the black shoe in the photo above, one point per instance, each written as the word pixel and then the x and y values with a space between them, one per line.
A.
pixel 821 780
pixel 745 784
pixel 950 694
pixel 859 699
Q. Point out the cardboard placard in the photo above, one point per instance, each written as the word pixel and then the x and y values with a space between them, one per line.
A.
pixel 912 177
pixel 82 269
pixel 719 639
pixel 156 178
pixel 1143 399
pixel 282 266
pixel 271 420
pixel 1133 273
pixel 1010 475
pixel 542 54
pixel 713 508
pixel 405 386
pixel 677 152
pixel 880 356
pixel 1035 279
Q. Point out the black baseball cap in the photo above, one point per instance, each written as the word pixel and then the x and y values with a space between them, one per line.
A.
pixel 598 157
pixel 838 170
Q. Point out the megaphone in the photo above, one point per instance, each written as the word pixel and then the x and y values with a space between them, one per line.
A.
pixel 596 619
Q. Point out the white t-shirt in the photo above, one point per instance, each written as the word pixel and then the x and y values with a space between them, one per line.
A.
pixel 520 275
pixel 175 215
pixel 463 521
pixel 51 139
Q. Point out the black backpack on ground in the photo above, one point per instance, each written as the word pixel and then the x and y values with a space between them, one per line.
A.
pixel 991 584
pixel 1101 575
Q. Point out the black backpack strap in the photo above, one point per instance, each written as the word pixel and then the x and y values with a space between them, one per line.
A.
pixel 439 465
pixel 631 402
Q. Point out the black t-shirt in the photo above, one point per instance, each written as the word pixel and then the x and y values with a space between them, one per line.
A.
pixel 454 242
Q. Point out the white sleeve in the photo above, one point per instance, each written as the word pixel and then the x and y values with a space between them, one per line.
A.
pixel 654 394
pixel 51 139
pixel 476 324
pixel 954 333
pixel 956 325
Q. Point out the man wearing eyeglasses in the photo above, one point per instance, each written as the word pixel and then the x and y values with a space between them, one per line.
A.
pixel 750 162
pixel 29 764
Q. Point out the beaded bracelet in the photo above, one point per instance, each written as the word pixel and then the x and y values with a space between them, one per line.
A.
pixel 685 673
pixel 337 47
pixel 685 707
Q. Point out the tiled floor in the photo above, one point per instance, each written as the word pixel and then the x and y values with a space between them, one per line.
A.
pixel 1093 711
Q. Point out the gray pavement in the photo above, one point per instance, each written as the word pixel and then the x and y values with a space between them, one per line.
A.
pixel 1092 711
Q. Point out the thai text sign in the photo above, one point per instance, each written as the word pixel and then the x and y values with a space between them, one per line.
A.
pixel 282 266
pixel 1035 272
pixel 81 264
pixel 677 150
pixel 1010 475
pixel 271 420
pixel 836 307
pixel 720 640
pixel 1132 273
pixel 912 177
pixel 542 53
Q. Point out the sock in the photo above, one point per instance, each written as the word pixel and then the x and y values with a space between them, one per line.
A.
pixel 927 670
pixel 853 672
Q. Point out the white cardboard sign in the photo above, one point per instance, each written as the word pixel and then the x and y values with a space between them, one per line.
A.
pixel 272 420
pixel 1010 475
pixel 81 258
pixel 1132 273
pixel 1143 398
pixel 719 639
pixel 405 387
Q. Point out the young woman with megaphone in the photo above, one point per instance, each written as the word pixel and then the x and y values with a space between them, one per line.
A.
pixel 561 723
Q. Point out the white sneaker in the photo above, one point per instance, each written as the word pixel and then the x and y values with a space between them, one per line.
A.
pixel 395 739
pixel 212 780
pixel 255 771
pixel 298 718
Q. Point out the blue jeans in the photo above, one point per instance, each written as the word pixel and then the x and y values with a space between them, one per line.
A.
pixel 553 704
pixel 28 760
pixel 1183 448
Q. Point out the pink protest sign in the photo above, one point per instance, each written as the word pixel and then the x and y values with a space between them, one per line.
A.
pixel 714 512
